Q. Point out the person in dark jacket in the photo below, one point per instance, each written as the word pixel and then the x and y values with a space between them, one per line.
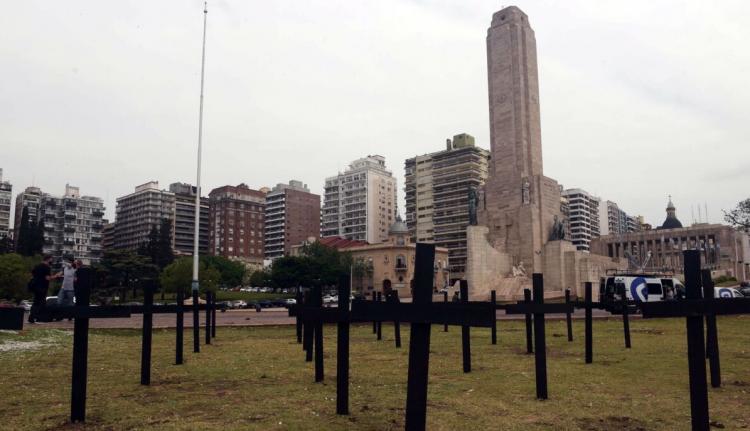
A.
pixel 40 278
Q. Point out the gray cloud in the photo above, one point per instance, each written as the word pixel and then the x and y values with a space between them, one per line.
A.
pixel 639 99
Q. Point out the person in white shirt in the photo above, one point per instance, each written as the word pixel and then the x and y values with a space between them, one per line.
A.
pixel 65 297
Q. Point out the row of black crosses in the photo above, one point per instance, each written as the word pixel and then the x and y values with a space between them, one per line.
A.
pixel 12 318
pixel 422 313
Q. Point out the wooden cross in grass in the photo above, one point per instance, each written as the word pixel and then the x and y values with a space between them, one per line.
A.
pixel 693 309
pixel 82 312
pixel 538 308
pixel 422 313
pixel 148 309
pixel 11 318
pixel 588 304
pixel 313 315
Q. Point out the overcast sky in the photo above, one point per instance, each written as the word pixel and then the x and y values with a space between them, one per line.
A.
pixel 639 99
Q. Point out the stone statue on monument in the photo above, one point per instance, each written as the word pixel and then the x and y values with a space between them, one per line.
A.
pixel 558 230
pixel 518 270
pixel 525 192
pixel 473 203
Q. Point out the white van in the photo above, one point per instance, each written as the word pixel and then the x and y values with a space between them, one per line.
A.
pixel 640 287
pixel 727 292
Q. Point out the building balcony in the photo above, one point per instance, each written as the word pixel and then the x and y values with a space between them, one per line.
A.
pixel 400 268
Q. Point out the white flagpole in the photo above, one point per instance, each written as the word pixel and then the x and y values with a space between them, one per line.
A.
pixel 196 262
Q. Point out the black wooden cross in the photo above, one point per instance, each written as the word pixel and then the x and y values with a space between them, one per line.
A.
pixel 11 318
pixel 313 315
pixel 693 309
pixel 422 313
pixel 148 309
pixel 568 317
pixel 81 312
pixel 392 298
pixel 588 304
pixel 712 337
pixel 465 329
pixel 539 309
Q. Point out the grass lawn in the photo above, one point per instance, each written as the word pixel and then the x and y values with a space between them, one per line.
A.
pixel 256 378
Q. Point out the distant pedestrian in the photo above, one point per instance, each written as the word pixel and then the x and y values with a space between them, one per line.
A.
pixel 40 278
pixel 455 297
pixel 65 297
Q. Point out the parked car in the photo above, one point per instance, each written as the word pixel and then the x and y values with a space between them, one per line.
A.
pixel 327 299
pixel 26 305
pixel 290 301
pixel 264 303
pixel 223 306
pixel 279 302
pixel 251 304
pixel 239 304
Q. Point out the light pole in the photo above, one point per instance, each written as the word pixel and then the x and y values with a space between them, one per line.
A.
pixel 196 258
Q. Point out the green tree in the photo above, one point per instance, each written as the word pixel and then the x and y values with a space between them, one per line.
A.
pixel 24 234
pixel 232 272
pixel 361 270
pixel 6 245
pixel 739 217
pixel 292 271
pixel 260 278
pixel 37 243
pixel 179 275
pixel 15 273
pixel 122 269
pixel 164 253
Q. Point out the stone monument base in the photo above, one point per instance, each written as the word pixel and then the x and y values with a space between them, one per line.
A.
pixel 564 267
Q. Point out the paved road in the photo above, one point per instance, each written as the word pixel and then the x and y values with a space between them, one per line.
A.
pixel 269 316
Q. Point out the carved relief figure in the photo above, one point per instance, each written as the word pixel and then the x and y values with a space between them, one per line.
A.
pixel 473 203
pixel 525 191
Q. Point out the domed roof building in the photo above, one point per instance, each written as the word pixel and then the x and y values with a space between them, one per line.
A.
pixel 671 222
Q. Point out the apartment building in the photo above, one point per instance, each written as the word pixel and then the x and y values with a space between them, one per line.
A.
pixel 437 189
pixel 183 237
pixel 237 224
pixel 6 196
pixel 138 212
pixel 583 217
pixel 72 225
pixel 292 216
pixel 360 203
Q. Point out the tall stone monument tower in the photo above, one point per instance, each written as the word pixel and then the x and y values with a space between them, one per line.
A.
pixel 518 214
pixel 520 204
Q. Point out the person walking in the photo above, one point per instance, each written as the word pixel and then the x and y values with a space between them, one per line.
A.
pixel 40 278
pixel 455 297
pixel 65 297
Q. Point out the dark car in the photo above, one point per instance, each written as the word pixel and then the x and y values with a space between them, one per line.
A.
pixel 279 302
pixel 264 303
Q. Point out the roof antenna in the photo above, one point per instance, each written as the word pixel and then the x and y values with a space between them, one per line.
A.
pixel 705 205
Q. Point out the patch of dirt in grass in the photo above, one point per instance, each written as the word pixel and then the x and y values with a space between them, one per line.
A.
pixel 650 331
pixel 740 383
pixel 609 361
pixel 611 423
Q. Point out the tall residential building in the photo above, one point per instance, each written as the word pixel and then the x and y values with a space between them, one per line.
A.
pixel 360 203
pixel 108 236
pixel 437 196
pixel 31 199
pixel 72 225
pixel 583 217
pixel 292 216
pixel 6 196
pixel 236 224
pixel 617 220
pixel 184 220
pixel 139 211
